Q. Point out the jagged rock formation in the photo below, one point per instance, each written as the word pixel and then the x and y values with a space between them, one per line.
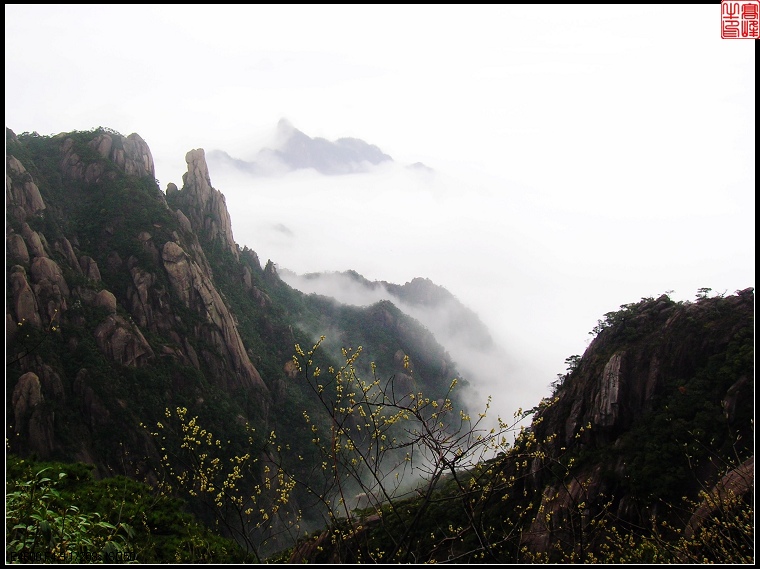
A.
pixel 25 308
pixel 197 292
pixel 122 342
pixel 202 205
pixel 61 285
pixel 29 411
pixel 20 190
pixel 130 155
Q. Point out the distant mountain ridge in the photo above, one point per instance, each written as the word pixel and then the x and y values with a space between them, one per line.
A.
pixel 297 151
pixel 349 287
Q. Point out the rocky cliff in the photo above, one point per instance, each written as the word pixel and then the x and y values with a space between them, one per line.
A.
pixel 123 300
pixel 160 283
pixel 662 399
pixel 205 206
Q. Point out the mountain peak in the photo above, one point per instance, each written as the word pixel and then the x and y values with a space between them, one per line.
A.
pixel 295 150
pixel 203 205
pixel 285 127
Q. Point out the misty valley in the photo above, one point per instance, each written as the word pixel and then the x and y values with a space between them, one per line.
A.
pixel 172 398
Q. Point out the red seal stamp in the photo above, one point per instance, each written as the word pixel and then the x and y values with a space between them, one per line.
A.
pixel 739 19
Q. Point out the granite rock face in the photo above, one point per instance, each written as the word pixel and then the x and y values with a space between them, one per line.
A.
pixel 21 193
pixel 31 418
pixel 122 342
pixel 203 206
pixel 129 154
pixel 198 293
pixel 140 298
pixel 626 374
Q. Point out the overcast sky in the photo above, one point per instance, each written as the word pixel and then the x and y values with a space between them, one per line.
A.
pixel 584 157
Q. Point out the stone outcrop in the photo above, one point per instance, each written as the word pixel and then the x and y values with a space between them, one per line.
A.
pixel 50 288
pixel 30 417
pixel 130 154
pixel 51 382
pixel 204 206
pixel 608 397
pixel 63 246
pixel 123 342
pixel 646 355
pixel 25 307
pixel 89 268
pixel 26 395
pixel 110 295
pixel 34 243
pixel 197 293
pixel 106 300
pixel 17 250
pixel 261 298
pixel 22 196
pixel 139 298
pixel 133 157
